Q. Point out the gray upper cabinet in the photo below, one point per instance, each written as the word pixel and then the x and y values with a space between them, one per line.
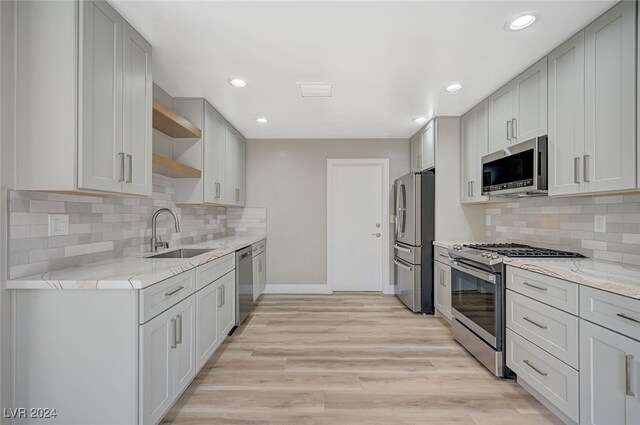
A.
pixel 138 100
pixel 234 174
pixel 474 136
pixel 427 157
pixel 217 160
pixel 610 92
pixel 530 103
pixel 416 151
pixel 592 107
pixel 84 75
pixel 518 111
pixel 566 115
pixel 500 116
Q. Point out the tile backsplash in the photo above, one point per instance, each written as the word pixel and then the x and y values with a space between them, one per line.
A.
pixel 105 228
pixel 568 224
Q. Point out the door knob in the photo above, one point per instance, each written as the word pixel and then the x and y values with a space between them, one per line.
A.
pixel 377 235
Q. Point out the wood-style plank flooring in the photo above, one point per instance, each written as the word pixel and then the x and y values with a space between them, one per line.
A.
pixel 347 359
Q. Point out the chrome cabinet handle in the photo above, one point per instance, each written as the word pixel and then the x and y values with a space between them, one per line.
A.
pixel 174 342
pixel 624 316
pixel 130 179
pixel 179 329
pixel 401 248
pixel 528 363
pixel 514 128
pixel 224 295
pixel 627 368
pixel 471 184
pixel 585 174
pixel 174 291
pixel 576 170
pixel 217 190
pixel 535 323
pixel 442 278
pixel 121 167
pixel 402 266
pixel 220 296
pixel 509 130
pixel 539 288
pixel 237 195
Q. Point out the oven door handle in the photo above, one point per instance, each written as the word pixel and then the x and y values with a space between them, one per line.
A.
pixel 480 274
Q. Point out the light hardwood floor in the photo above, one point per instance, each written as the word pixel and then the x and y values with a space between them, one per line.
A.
pixel 349 359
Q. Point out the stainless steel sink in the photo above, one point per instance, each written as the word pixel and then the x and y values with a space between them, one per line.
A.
pixel 180 253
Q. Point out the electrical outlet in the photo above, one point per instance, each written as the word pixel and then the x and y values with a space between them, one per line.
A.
pixel 600 224
pixel 58 224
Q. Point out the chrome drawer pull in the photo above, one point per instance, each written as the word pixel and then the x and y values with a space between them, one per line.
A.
pixel 624 316
pixel 173 292
pixel 534 323
pixel 539 288
pixel 528 363
pixel 627 368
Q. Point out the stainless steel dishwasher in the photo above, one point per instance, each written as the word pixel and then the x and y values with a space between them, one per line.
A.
pixel 244 284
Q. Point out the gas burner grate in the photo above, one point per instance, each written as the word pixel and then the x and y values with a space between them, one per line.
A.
pixel 519 250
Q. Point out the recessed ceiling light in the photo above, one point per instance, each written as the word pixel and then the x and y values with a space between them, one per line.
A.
pixel 237 82
pixel 521 22
pixel 453 87
pixel 261 120
pixel 420 120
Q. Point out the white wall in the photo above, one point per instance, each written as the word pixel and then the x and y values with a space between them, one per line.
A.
pixel 288 177
pixel 454 222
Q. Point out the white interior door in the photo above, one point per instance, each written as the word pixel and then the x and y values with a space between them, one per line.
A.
pixel 357 229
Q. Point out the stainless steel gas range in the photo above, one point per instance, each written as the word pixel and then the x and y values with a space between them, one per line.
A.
pixel 478 297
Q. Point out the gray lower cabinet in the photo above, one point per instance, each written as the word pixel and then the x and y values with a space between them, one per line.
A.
pixel 609 376
pixel 92 103
pixel 586 369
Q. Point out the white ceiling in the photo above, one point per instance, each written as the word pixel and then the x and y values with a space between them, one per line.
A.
pixel 389 60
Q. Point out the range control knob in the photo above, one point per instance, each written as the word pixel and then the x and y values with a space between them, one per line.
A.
pixel 495 256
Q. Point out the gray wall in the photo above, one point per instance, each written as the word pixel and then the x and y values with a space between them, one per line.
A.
pixel 289 178
pixel 567 224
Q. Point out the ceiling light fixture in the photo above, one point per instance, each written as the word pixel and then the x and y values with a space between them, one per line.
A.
pixel 420 120
pixel 261 120
pixel 453 87
pixel 521 22
pixel 237 82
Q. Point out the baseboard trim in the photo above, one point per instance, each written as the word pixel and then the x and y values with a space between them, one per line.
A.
pixel 275 288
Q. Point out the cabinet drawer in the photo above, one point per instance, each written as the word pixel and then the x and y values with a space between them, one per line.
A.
pixel 554 380
pixel 616 312
pixel 214 270
pixel 549 290
pixel 549 328
pixel 258 247
pixel 157 298
pixel 441 254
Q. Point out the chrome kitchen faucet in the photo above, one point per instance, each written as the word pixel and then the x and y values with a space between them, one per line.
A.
pixel 155 241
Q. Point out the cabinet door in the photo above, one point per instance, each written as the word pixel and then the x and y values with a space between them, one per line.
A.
pixel 207 341
pixel 610 90
pixel 240 170
pixel 530 103
pixel 138 98
pixel 442 278
pixel 227 305
pixel 262 272
pixel 500 116
pixel 609 374
pixel 101 157
pixel 230 147
pixel 566 116
pixel 215 158
pixel 184 355
pixel 156 367
pixel 416 152
pixel 474 135
pixel 427 159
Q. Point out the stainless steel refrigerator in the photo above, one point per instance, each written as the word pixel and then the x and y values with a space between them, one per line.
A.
pixel 413 242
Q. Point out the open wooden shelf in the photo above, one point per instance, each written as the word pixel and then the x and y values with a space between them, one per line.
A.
pixel 167 121
pixel 170 168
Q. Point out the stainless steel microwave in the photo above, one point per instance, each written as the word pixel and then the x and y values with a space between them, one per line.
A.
pixel 517 171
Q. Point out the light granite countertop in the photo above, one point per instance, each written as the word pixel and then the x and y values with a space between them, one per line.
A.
pixel 450 244
pixel 132 272
pixel 608 276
